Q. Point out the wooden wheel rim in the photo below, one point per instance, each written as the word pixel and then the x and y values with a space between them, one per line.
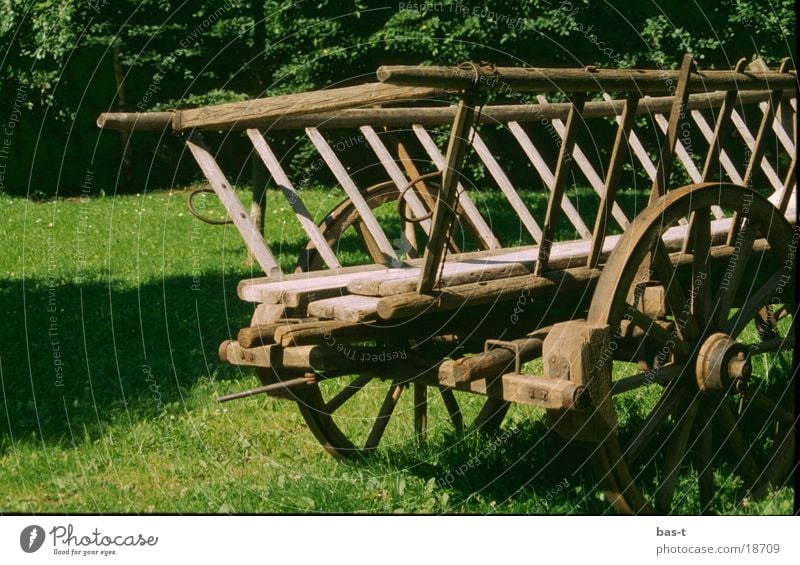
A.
pixel 608 306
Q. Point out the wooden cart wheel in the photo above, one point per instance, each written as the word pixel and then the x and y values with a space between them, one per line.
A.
pixel 331 409
pixel 350 416
pixel 342 217
pixel 716 410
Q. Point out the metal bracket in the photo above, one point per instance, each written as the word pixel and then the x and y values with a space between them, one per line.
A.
pixel 514 347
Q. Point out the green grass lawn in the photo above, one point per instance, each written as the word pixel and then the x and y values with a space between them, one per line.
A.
pixel 113 309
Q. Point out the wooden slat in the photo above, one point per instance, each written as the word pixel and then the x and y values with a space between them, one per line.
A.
pixel 471 213
pixel 252 237
pixel 505 185
pixel 750 142
pixel 293 197
pixel 453 274
pixel 699 218
pixel 758 146
pixel 350 308
pixel 612 178
pixel 397 176
pixel 724 159
pixel 547 177
pixel 664 166
pixel 274 292
pixel 367 217
pixel 587 169
pixel 779 125
pixel 444 213
pixel 554 203
pixel 633 140
pixel 789 185
pixel 680 151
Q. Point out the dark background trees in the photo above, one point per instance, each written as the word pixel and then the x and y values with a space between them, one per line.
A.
pixel 62 62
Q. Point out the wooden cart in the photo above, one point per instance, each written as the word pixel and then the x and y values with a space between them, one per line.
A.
pixel 670 290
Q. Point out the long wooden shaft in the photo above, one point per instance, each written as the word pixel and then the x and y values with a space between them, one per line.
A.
pixel 443 214
pixel 533 79
pixel 428 116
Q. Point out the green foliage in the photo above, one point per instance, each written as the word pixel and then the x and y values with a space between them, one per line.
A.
pixel 178 54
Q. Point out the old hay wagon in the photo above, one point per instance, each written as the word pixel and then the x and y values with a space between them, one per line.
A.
pixel 666 309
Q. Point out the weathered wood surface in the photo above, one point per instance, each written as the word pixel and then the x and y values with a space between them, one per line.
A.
pixel 532 79
pixel 355 195
pixel 405 280
pixel 555 204
pixel 273 165
pixel 377 281
pixel 444 213
pixel 430 115
pixel 250 112
pixel 350 308
pixel 354 308
pixel 252 237
pixel 491 363
pixel 547 176
pixel 469 213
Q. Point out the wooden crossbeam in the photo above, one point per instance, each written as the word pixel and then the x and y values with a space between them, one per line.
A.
pixel 308 224
pixel 353 193
pixel 472 215
pixel 547 176
pixel 587 169
pixel 233 206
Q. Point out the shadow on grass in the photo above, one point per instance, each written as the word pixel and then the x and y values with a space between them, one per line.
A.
pixel 524 461
pixel 74 358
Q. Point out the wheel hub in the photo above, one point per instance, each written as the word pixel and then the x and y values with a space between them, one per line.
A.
pixel 722 364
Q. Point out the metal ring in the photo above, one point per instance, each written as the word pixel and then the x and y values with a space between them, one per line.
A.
pixel 400 200
pixel 198 215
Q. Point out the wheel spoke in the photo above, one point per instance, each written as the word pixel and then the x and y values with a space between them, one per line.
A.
pixel 492 414
pixel 384 415
pixel 658 333
pixel 735 325
pixel 421 411
pixel 677 299
pixel 346 393
pixel 781 459
pixel 453 409
pixel 733 436
pixel 674 456
pixel 601 466
pixel 666 404
pixel 660 375
pixel 766 404
pixel 743 245
pixel 700 226
pixel 705 460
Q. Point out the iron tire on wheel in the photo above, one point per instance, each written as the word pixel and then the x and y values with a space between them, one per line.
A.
pixel 705 373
